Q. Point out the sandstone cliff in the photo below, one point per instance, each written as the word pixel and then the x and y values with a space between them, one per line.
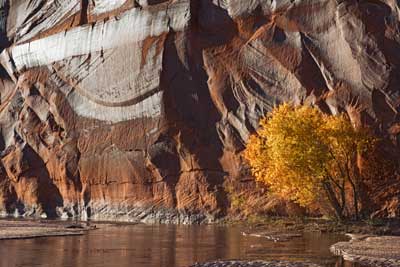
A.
pixel 139 109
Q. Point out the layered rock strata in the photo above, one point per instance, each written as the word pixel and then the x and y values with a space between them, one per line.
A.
pixel 370 250
pixel 255 264
pixel 138 110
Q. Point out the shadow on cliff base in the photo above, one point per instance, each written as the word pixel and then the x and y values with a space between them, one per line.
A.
pixel 49 197
pixel 188 104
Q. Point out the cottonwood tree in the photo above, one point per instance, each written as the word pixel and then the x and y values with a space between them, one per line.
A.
pixel 301 153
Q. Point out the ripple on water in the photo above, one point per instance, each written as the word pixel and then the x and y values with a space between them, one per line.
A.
pixel 166 246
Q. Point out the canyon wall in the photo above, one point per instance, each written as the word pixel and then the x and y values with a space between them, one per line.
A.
pixel 138 110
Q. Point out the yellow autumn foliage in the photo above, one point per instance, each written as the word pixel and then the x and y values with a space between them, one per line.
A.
pixel 300 152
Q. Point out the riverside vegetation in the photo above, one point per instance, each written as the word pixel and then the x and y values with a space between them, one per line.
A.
pixel 306 156
pixel 309 157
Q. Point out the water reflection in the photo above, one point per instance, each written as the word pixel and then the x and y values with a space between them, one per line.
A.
pixel 163 246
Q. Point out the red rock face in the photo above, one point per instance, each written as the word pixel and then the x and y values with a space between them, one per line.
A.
pixel 139 110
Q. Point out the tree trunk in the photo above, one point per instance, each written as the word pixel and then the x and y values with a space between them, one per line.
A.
pixel 354 186
pixel 343 196
pixel 333 200
pixel 355 199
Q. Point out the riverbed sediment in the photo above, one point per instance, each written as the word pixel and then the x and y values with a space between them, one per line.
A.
pixel 370 250
pixel 12 229
pixel 255 264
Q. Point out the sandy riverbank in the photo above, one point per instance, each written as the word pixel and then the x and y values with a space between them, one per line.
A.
pixel 13 229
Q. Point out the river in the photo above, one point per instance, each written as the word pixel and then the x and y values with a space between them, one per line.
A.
pixel 163 246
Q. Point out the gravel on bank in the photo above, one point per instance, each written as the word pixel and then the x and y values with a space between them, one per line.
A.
pixel 370 250
pixel 255 264
pixel 10 229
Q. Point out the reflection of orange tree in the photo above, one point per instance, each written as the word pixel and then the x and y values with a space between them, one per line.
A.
pixel 299 152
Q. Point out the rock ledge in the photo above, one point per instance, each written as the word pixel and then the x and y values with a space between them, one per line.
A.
pixel 235 263
pixel 370 250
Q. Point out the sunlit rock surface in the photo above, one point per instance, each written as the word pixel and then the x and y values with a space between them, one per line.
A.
pixel 370 250
pixel 138 110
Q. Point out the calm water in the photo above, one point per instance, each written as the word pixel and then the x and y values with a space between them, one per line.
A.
pixel 162 246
